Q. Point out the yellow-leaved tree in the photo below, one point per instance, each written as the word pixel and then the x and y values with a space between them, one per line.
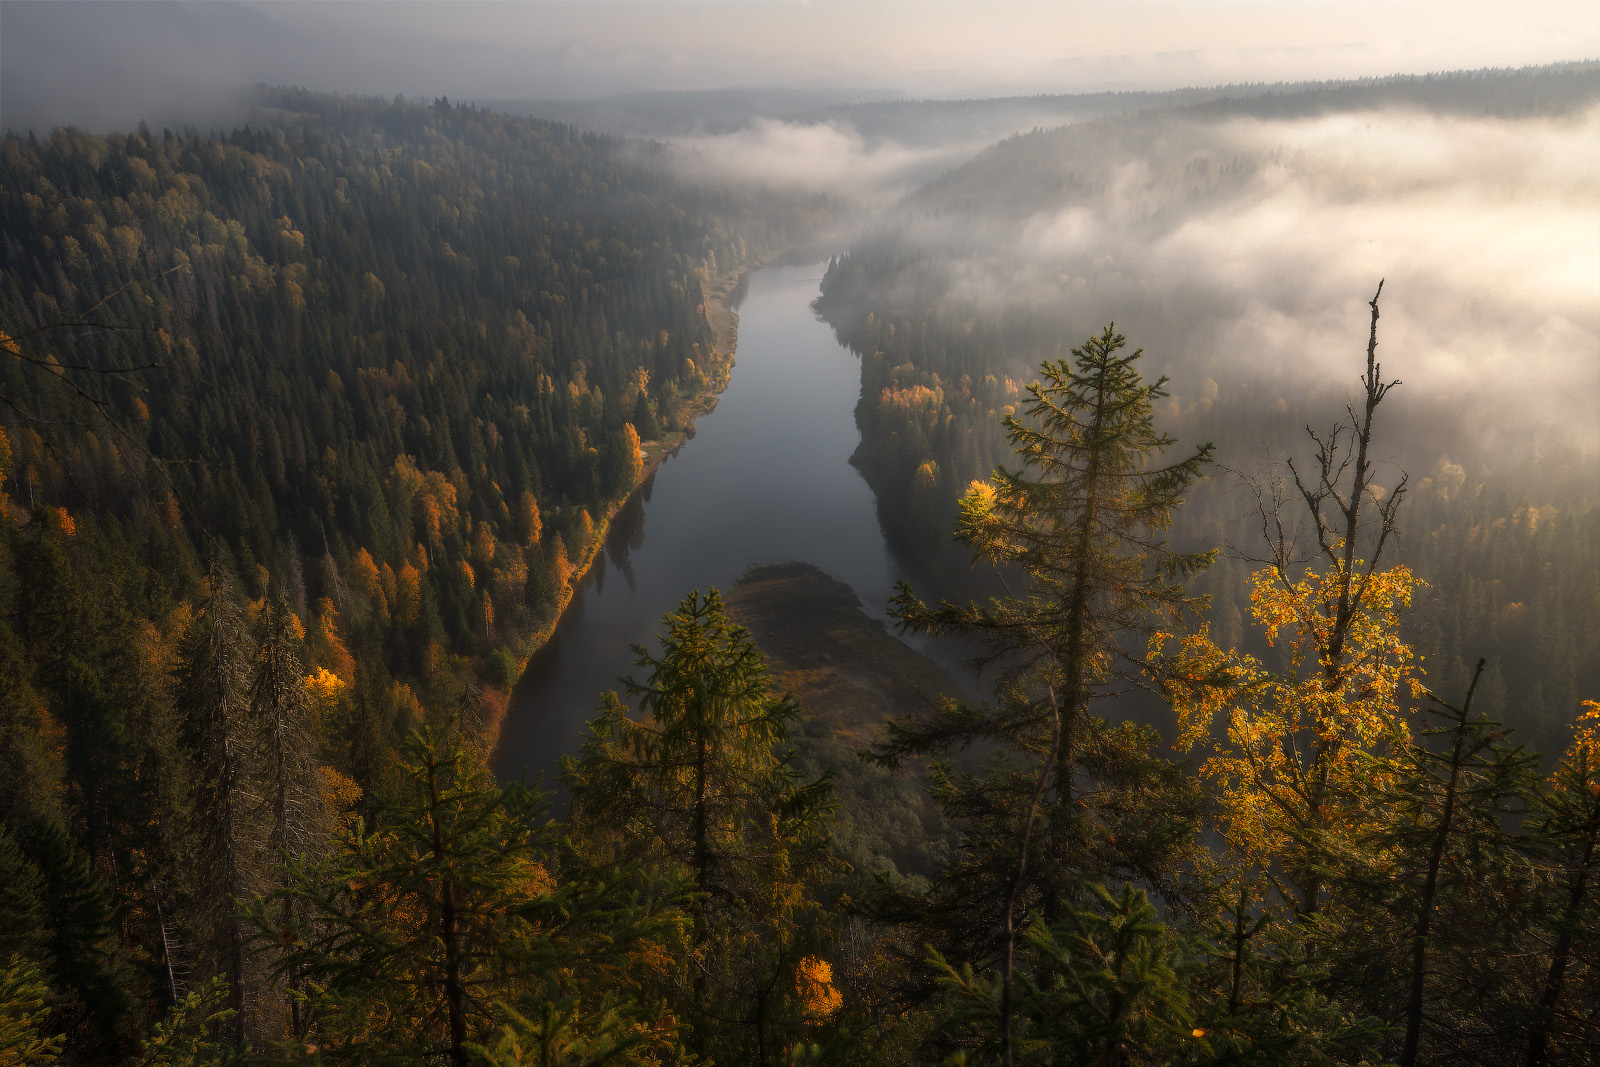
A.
pixel 1290 746
pixel 1289 758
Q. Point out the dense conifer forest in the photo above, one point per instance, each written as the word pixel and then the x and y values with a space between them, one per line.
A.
pixel 391 360
pixel 304 428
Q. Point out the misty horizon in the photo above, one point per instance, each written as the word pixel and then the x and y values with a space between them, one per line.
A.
pixel 104 66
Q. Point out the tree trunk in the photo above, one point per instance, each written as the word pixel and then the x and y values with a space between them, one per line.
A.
pixel 702 859
pixel 455 994
pixel 1237 984
pixel 1006 1054
pixel 1419 940
pixel 1538 1050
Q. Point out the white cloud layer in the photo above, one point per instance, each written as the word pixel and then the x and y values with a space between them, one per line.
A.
pixel 816 157
pixel 1486 230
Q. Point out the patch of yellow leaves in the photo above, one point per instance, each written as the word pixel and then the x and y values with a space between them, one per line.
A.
pixel 1583 755
pixel 814 980
pixel 1288 744
pixel 324 686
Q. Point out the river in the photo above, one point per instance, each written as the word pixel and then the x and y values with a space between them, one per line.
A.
pixel 766 477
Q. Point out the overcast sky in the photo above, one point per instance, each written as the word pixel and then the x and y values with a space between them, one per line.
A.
pixel 109 64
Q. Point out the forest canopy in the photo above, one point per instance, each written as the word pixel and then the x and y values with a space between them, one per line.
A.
pixel 309 428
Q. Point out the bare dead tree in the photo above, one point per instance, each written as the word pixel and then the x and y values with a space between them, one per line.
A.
pixel 1335 504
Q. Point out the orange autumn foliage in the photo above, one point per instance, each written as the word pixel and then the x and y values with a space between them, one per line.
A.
pixel 560 565
pixel 327 648
pixel 483 545
pixel 364 576
pixel 432 498
pixel 635 457
pixel 1584 752
pixel 338 795
pixel 814 982
pixel 530 525
pixel 1285 746
pixel 408 590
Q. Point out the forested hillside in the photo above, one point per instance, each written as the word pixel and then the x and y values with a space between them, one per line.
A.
pixel 391 358
pixel 303 430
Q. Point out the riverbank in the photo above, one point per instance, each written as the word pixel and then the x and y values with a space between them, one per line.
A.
pixel 724 323
pixel 849 675
pixel 768 478
pixel 841 664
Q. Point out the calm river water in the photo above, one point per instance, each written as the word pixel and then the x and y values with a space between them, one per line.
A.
pixel 766 478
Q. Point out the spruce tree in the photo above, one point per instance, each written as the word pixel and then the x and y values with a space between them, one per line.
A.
pixel 699 785
pixel 1424 893
pixel 444 924
pixel 1082 519
pixel 1567 828
pixel 25 1040
pixel 89 963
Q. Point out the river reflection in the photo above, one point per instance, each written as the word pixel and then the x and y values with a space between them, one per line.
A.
pixel 766 477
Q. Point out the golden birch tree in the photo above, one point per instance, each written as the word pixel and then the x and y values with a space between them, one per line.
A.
pixel 1290 745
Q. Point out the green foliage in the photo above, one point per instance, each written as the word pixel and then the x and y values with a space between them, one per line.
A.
pixel 698 787
pixel 1426 891
pixel 1101 987
pixel 503 668
pixel 1082 519
pixel 373 340
pixel 1566 931
pixel 561 1036
pixel 22 900
pixel 1256 984
pixel 1112 984
pixel 24 1012
pixel 443 901
pixel 89 963
pixel 187 1037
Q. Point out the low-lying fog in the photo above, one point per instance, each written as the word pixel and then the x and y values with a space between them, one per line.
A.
pixel 1232 244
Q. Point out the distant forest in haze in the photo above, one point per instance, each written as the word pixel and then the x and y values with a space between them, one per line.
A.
pixel 307 428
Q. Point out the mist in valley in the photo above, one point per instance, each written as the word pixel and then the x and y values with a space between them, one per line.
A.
pixel 1001 182
pixel 1239 247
